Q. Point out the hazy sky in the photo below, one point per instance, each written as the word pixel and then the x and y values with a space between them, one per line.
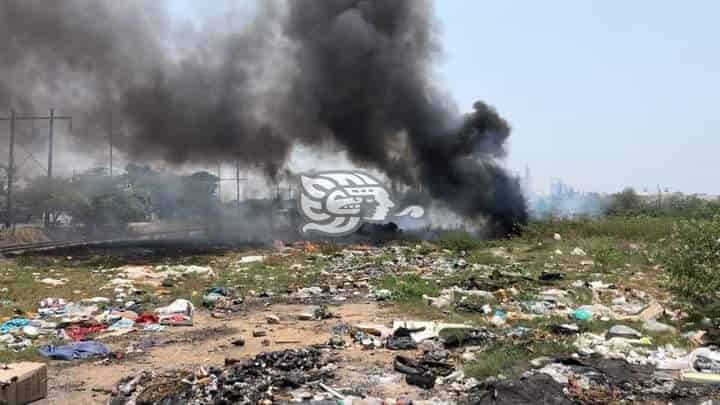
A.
pixel 602 94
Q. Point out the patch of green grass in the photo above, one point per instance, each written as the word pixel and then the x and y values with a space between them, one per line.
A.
pixel 426 248
pixel 526 294
pixel 409 287
pixel 509 358
pixel 607 258
pixel 418 310
pixel 499 359
pixel 29 354
pixel 621 228
pixel 458 241
pixel 24 290
pixel 485 257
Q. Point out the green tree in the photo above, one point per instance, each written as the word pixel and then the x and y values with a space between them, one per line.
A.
pixel 692 259
pixel 627 202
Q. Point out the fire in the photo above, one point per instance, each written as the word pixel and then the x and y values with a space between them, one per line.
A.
pixel 310 247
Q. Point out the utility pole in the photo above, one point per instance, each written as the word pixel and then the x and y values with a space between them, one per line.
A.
pixel 110 141
pixel 219 176
pixel 52 119
pixel 11 159
pixel 10 170
pixel 237 184
pixel 50 145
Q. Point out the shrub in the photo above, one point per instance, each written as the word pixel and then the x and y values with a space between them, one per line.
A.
pixel 626 228
pixel 410 287
pixel 459 240
pixel 692 260
pixel 607 258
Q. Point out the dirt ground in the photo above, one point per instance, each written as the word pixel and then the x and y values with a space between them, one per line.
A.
pixel 209 341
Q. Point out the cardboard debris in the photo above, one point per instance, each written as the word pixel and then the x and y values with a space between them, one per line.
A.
pixel 22 383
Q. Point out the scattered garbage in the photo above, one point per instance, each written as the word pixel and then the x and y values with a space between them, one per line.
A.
pixel 578 252
pixel 254 381
pixel 582 315
pixel 13 324
pixel 52 282
pixel 623 331
pixel 179 313
pixel 608 330
pixel 251 259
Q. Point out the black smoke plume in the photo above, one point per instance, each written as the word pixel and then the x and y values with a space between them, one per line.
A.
pixel 350 73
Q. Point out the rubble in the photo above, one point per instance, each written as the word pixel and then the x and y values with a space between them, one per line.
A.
pixel 261 378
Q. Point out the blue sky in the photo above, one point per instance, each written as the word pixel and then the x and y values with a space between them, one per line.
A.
pixel 603 94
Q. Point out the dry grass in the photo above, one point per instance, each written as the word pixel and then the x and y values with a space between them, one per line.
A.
pixel 23 235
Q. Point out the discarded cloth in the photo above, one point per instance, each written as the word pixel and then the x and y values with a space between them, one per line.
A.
pixel 75 351
pixel 77 333
pixel 147 318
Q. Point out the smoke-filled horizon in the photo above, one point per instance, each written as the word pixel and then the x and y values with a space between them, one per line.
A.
pixel 350 74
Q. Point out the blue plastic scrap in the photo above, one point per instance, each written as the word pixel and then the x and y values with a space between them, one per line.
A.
pixel 12 324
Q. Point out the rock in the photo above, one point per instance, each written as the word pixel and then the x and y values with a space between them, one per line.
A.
pixel 238 342
pixel 623 332
pixel 272 319
pixel 557 236
pixel 578 252
pixel 259 333
pixel 652 325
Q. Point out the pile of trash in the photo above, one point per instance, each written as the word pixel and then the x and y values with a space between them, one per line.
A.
pixel 157 276
pixel 69 331
pixel 264 378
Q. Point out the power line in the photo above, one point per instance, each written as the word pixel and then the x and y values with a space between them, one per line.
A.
pixel 13 118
